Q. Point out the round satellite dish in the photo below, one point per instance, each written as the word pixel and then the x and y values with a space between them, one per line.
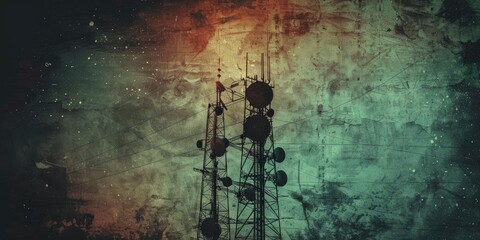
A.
pixel 259 94
pixel 280 178
pixel 227 182
pixel 270 112
pixel 210 228
pixel 199 144
pixel 257 128
pixel 218 147
pixel 249 193
pixel 226 142
pixel 218 110
pixel 279 154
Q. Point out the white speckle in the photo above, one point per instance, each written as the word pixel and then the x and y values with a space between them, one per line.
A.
pixel 413 170
pixel 46 185
pixel 431 141
pixel 91 24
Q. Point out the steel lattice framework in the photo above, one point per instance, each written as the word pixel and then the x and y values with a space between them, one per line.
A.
pixel 214 204
pixel 258 214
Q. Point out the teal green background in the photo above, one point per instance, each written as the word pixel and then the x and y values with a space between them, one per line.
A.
pixel 376 105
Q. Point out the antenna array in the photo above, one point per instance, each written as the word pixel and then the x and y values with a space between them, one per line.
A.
pixel 258 213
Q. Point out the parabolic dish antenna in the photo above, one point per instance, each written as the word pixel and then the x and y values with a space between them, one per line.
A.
pixel 210 228
pixel 259 94
pixel 257 128
pixel 279 154
pixel 249 193
pixel 227 182
pixel 280 178
pixel 218 147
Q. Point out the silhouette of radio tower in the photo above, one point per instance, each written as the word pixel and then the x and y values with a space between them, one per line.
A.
pixel 258 214
pixel 214 220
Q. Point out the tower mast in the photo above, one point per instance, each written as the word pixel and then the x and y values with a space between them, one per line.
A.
pixel 213 220
pixel 258 213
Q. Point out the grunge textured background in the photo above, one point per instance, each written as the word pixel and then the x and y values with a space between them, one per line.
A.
pixel 377 107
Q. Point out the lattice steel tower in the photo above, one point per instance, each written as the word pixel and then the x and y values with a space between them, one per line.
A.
pixel 214 221
pixel 258 214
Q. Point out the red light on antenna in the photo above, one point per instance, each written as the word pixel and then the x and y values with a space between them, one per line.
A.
pixel 220 86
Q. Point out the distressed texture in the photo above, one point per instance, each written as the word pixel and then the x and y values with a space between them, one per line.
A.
pixel 376 104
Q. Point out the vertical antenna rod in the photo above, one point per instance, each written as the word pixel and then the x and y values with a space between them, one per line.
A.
pixel 263 66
